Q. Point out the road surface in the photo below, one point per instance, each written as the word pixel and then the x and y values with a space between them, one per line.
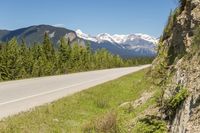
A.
pixel 22 95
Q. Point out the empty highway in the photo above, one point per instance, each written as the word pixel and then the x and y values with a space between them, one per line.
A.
pixel 22 95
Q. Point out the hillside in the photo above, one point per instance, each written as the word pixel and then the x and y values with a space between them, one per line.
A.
pixel 176 69
pixel 124 45
pixel 135 45
pixel 101 109
pixel 35 34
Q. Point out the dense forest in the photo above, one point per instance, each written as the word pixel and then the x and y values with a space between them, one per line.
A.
pixel 17 61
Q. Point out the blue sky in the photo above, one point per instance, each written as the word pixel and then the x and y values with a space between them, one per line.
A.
pixel 91 16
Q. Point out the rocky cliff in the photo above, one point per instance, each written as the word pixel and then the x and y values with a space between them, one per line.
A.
pixel 177 69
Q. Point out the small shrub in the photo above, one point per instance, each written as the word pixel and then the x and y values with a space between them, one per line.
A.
pixel 178 98
pixel 107 123
pixel 102 103
pixel 170 24
pixel 88 128
pixel 182 4
pixel 151 124
pixel 173 103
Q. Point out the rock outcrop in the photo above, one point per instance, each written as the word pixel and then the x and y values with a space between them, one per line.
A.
pixel 178 63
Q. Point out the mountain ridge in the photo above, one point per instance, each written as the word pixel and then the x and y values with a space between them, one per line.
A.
pixel 124 45
pixel 116 38
pixel 140 43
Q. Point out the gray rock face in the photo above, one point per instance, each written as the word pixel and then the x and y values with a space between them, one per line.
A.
pixel 186 69
pixel 187 117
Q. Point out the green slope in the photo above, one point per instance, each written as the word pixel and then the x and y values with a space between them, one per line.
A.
pixel 93 110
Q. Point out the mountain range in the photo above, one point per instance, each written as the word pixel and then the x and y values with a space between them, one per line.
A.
pixel 124 45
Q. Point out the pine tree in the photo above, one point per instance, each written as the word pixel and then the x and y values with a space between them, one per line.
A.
pixel 11 60
pixel 48 47
pixel 20 61
pixel 27 60
pixel 74 57
pixel 64 52
pixel 2 64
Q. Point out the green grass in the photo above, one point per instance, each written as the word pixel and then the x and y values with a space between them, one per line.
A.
pixel 76 113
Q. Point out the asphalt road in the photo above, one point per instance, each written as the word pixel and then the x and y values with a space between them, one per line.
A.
pixel 22 95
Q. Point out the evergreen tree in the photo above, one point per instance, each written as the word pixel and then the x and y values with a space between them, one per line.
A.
pixel 27 60
pixel 19 61
pixel 48 47
pixel 11 61
pixel 74 57
pixel 64 52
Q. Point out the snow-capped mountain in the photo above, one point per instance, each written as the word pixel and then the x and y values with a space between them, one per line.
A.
pixel 85 36
pixel 123 45
pixel 132 44
pixel 116 38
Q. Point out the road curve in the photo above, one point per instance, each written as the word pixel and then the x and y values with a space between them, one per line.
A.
pixel 22 95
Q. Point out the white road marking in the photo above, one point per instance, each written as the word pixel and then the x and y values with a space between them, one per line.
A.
pixel 52 91
pixel 23 95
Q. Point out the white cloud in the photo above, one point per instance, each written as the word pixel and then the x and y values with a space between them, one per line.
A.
pixel 59 25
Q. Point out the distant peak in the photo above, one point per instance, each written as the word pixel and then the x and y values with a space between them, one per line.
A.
pixel 85 36
pixel 79 31
pixel 81 34
pixel 116 38
pixel 103 34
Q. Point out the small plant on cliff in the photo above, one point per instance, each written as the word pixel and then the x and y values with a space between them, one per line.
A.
pixel 170 24
pixel 151 124
pixel 174 102
pixel 168 28
pixel 182 4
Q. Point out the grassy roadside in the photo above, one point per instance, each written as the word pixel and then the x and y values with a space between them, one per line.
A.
pixel 86 111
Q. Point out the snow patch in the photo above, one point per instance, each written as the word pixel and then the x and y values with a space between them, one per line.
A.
pixel 52 34
pixel 137 42
pixel 82 35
